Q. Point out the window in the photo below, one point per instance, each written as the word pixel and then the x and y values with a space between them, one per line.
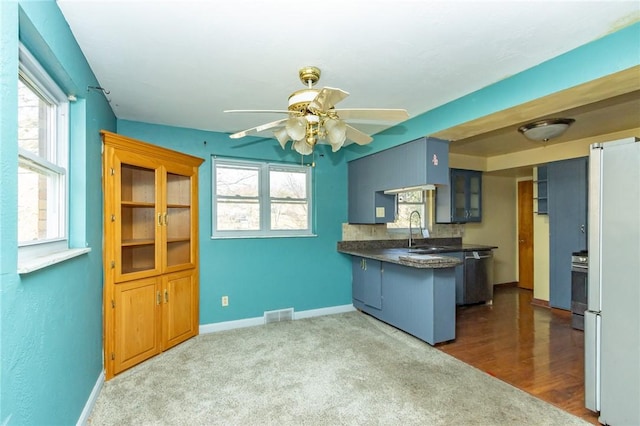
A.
pixel 42 160
pixel 408 202
pixel 258 199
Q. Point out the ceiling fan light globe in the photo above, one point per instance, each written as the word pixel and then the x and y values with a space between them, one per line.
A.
pixel 296 128
pixel 282 136
pixel 302 147
pixel 336 132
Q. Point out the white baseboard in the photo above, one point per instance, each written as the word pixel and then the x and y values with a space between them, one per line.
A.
pixel 323 311
pixel 88 407
pixel 251 322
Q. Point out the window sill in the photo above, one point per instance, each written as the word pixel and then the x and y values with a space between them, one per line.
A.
pixel 234 237
pixel 41 262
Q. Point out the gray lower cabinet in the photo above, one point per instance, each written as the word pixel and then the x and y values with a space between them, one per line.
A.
pixel 420 301
pixel 367 281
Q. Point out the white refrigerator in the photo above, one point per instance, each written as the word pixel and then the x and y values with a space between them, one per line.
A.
pixel 612 319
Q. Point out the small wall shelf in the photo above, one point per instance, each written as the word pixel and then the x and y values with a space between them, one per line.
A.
pixel 541 196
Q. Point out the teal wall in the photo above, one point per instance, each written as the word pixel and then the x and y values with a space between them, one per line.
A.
pixel 263 274
pixel 51 319
pixel 610 54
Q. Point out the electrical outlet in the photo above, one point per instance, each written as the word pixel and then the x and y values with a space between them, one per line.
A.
pixel 225 300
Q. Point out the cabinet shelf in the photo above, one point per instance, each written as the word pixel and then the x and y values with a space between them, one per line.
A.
pixel 178 240
pixel 541 193
pixel 138 242
pixel 137 204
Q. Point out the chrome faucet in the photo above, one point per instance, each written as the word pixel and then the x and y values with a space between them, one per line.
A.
pixel 411 228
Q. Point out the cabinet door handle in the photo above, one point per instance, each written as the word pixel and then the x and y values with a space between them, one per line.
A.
pixel 159 219
pixel 166 296
pixel 582 228
pixel 166 219
pixel 158 298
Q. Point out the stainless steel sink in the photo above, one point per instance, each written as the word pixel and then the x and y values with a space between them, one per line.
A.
pixel 425 250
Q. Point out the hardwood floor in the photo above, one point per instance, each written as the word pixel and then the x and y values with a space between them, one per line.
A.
pixel 530 347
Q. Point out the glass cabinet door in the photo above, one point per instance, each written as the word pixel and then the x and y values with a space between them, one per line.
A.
pixel 475 189
pixel 177 220
pixel 466 195
pixel 136 230
pixel 459 196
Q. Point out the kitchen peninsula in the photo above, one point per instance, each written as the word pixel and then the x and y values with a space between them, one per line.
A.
pixel 411 288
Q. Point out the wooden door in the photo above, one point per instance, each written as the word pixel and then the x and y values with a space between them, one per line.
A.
pixel 179 307
pixel 137 313
pixel 525 234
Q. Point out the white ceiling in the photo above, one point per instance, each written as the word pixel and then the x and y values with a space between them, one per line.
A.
pixel 181 63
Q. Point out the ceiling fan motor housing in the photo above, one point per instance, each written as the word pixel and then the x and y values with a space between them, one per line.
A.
pixel 309 75
pixel 300 99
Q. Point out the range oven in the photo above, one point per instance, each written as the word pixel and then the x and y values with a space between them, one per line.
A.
pixel 579 274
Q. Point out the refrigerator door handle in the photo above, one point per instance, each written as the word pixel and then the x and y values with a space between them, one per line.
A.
pixel 592 341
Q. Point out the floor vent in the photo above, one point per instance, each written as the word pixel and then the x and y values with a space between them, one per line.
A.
pixel 278 316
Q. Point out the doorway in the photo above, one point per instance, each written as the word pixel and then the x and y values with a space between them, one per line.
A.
pixel 525 234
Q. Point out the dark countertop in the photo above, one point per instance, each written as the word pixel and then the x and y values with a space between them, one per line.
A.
pixel 425 253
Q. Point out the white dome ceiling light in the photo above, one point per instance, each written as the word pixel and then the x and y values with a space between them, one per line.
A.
pixel 544 130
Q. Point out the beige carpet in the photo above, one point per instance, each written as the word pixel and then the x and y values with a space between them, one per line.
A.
pixel 346 369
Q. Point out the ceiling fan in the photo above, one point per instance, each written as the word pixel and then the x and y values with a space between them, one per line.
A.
pixel 312 118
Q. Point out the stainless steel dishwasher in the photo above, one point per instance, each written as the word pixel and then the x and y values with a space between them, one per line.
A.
pixel 478 277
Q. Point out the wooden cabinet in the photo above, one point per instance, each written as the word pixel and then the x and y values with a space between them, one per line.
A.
pixel 136 323
pixel 410 165
pixel 150 250
pixel 179 307
pixel 461 201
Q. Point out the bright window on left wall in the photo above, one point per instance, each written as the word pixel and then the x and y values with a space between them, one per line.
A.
pixel 43 141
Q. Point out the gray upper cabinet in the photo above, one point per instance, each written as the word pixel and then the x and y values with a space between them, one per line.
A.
pixel 413 164
pixel 567 194
pixel 461 200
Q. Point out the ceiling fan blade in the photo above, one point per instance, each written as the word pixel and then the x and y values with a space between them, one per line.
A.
pixel 259 110
pixel 257 129
pixel 373 114
pixel 357 136
pixel 327 98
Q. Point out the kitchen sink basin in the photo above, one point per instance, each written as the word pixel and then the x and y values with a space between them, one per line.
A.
pixel 425 250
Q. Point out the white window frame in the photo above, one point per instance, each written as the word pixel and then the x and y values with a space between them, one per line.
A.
pixel 402 226
pixel 33 75
pixel 264 168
